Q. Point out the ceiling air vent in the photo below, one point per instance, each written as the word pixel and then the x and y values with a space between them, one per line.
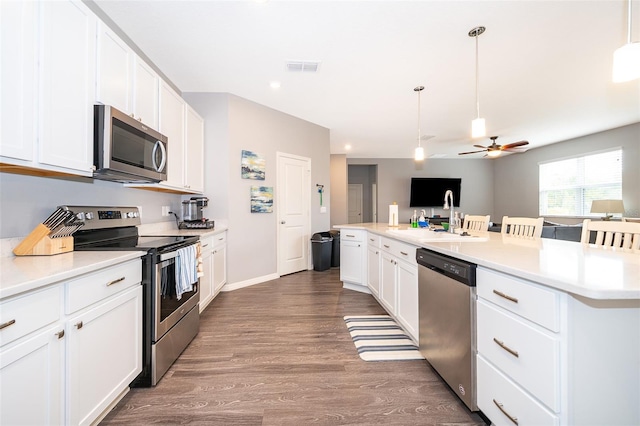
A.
pixel 303 66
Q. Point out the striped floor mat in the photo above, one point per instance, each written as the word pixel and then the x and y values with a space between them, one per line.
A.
pixel 379 338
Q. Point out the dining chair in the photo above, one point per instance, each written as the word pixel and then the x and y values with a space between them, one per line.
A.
pixel 624 235
pixel 522 226
pixel 476 223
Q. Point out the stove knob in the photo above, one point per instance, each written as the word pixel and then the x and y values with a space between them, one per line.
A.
pixel 80 216
pixel 131 214
pixel 89 215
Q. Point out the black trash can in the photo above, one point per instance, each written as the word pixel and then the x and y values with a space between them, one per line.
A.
pixel 335 248
pixel 321 250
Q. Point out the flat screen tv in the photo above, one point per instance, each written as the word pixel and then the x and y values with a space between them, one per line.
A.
pixel 429 192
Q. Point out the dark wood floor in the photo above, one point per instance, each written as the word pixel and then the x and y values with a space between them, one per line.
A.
pixel 279 353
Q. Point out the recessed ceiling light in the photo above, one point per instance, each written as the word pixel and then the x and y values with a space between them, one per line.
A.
pixel 275 84
pixel 347 147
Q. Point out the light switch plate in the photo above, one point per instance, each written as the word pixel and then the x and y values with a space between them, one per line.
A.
pixel 323 209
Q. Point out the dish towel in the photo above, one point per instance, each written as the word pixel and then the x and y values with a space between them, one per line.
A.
pixel 186 270
pixel 200 266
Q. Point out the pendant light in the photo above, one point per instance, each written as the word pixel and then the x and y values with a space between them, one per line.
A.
pixel 478 128
pixel 419 153
pixel 626 59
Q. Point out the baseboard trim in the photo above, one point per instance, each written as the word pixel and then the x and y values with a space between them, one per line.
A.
pixel 248 283
pixel 356 287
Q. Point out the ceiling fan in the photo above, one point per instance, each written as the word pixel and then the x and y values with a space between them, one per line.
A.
pixel 494 149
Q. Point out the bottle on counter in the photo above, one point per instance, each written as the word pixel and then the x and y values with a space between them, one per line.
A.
pixel 422 221
pixel 414 219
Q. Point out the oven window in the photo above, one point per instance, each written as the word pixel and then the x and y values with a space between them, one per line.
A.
pixel 169 302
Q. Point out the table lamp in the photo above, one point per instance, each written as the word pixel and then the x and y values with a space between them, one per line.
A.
pixel 607 207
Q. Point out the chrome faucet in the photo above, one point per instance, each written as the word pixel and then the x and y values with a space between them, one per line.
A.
pixel 449 194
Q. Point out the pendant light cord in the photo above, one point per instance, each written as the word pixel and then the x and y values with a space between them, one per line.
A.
pixel 477 85
pixel 419 92
pixel 629 23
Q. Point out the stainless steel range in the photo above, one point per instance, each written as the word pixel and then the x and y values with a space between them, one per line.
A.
pixel 170 308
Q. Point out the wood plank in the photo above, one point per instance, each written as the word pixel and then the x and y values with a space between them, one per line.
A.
pixel 279 353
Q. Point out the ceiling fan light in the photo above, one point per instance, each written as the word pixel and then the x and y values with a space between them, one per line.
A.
pixel 494 153
pixel 419 154
pixel 626 63
pixel 478 128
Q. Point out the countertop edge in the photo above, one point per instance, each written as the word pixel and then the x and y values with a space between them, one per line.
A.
pixel 546 280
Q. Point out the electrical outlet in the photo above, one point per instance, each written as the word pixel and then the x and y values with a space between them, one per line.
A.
pixel 166 210
pixel 139 211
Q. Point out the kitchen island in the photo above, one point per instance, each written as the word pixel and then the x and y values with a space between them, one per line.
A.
pixel 563 346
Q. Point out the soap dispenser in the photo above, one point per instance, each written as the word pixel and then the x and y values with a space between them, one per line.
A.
pixel 414 219
pixel 422 221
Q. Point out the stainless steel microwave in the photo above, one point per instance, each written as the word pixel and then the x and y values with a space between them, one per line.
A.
pixel 126 150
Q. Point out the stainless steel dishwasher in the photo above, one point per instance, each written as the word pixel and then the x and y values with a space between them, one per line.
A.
pixel 447 310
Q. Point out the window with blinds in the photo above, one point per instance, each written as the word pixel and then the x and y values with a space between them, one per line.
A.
pixel 567 187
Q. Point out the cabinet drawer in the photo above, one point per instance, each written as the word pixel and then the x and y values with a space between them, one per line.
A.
pixel 530 357
pixel 521 297
pixel 495 388
pixel 99 285
pixel 220 239
pixel 22 315
pixel 401 250
pixel 352 235
pixel 373 240
pixel 207 244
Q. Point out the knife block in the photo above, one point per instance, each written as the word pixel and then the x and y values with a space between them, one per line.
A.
pixel 38 243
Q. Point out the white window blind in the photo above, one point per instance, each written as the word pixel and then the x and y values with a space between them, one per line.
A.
pixel 567 187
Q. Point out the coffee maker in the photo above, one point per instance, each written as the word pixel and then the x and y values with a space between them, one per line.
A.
pixel 193 215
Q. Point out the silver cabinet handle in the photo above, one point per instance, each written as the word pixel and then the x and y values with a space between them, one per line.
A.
pixel 7 324
pixel 386 246
pixel 350 236
pixel 506 348
pixel 79 325
pixel 115 281
pixel 404 254
pixel 371 239
pixel 501 408
pixel 505 296
pixel 205 245
pixel 60 334
pixel 221 239
pixel 283 222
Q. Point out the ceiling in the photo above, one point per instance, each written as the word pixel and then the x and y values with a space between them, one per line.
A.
pixel 544 66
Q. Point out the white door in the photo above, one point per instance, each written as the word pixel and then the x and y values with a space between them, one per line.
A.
pixel 294 215
pixel 355 202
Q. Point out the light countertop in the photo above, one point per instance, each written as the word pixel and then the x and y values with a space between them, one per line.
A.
pixel 595 273
pixel 19 274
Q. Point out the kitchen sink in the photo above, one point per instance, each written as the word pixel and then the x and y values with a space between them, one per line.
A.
pixel 428 236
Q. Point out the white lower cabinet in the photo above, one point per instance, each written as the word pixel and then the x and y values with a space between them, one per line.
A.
pixel 214 260
pixel 399 283
pixel 373 269
pixel 103 355
pixel 31 379
pixel 353 249
pixel 65 366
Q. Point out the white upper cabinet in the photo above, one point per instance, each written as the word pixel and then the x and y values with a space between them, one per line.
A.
pixel 172 125
pixel 114 70
pixel 124 80
pixel 18 44
pixel 145 93
pixel 194 151
pixel 67 74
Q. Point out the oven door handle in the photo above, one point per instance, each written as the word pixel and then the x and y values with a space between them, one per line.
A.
pixel 167 256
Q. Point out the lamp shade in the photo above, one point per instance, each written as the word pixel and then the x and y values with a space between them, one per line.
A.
pixel 419 154
pixel 626 63
pixel 607 206
pixel 478 128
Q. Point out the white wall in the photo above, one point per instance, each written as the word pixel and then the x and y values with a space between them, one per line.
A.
pixel 234 124
pixel 516 176
pixel 394 183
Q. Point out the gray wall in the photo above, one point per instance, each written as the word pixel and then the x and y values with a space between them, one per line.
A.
pixel 394 181
pixel 516 176
pixel 26 201
pixel 235 124
pixel 339 207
